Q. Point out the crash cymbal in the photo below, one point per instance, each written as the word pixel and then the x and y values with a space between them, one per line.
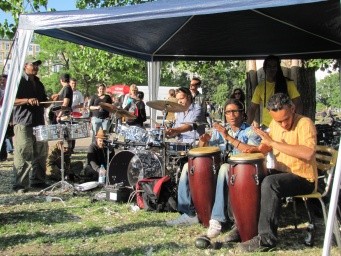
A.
pixel 108 107
pixel 170 106
pixel 124 113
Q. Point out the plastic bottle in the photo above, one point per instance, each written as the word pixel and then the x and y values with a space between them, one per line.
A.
pixel 101 174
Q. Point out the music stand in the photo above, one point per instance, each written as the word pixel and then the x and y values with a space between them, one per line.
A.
pixel 64 185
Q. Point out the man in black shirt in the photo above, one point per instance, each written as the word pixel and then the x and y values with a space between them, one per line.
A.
pixel 29 155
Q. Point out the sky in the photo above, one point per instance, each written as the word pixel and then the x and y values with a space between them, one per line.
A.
pixel 59 5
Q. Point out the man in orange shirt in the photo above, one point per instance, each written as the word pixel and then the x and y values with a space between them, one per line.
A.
pixel 292 139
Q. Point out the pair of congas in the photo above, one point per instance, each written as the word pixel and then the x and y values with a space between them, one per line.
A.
pixel 245 173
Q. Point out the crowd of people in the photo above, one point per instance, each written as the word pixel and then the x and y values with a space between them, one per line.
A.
pixel 282 130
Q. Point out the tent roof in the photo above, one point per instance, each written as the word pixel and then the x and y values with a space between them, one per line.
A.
pixel 201 29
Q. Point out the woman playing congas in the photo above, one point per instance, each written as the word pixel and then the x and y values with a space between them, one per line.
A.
pixel 240 137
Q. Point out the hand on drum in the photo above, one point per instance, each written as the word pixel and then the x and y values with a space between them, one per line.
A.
pixel 205 137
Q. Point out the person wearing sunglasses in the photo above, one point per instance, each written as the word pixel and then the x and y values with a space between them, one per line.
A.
pixel 238 94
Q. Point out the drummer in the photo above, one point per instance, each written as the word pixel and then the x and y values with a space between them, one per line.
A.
pixel 29 155
pixel 239 137
pixel 186 121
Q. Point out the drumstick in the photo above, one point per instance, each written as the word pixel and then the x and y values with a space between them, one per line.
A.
pixel 48 102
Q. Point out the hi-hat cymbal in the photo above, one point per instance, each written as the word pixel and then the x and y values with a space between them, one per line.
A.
pixel 169 106
pixel 124 113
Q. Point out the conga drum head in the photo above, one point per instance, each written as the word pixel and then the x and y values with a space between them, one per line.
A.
pixel 203 151
pixel 246 157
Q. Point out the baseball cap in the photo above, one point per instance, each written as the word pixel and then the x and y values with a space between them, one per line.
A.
pixel 34 61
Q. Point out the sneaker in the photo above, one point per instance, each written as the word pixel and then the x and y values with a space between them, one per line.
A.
pixel 214 229
pixel 183 220
pixel 232 236
pixel 19 189
pixel 254 245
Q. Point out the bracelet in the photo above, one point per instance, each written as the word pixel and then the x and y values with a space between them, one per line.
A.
pixel 238 144
pixel 27 102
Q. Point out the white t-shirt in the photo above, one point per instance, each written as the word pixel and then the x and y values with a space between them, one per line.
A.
pixel 77 98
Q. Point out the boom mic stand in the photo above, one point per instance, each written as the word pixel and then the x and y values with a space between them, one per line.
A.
pixel 64 185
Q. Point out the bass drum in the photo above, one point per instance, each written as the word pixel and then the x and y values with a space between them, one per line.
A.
pixel 128 167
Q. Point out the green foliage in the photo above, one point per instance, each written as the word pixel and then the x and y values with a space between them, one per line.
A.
pixel 328 92
pixel 89 4
pixel 15 8
pixel 218 77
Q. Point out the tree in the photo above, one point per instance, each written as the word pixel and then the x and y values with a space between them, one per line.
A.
pixel 328 92
pixel 15 8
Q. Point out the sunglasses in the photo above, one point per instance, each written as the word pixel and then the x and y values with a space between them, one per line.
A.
pixel 194 84
pixel 237 93
pixel 229 112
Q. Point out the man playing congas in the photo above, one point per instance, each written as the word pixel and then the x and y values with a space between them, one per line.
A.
pixel 240 137
pixel 292 138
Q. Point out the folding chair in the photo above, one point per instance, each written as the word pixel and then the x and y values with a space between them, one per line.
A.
pixel 326 161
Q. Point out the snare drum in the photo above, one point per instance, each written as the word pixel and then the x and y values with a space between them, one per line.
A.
pixel 128 167
pixel 48 132
pixel 246 171
pixel 78 130
pixel 177 148
pixel 203 168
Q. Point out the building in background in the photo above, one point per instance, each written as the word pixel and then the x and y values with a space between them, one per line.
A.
pixel 5 53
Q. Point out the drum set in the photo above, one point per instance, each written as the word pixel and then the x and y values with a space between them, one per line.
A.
pixel 144 153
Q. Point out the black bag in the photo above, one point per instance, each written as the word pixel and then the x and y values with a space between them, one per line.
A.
pixel 156 194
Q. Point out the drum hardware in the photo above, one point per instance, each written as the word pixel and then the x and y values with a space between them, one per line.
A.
pixel 165 106
pixel 64 185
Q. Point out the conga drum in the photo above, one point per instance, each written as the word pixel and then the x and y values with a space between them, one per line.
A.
pixel 203 167
pixel 246 172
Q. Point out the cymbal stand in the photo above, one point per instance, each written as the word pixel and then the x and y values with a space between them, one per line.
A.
pixel 163 145
pixel 64 185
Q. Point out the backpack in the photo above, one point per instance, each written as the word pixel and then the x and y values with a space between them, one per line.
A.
pixel 156 194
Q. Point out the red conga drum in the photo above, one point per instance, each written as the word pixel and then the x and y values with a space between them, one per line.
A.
pixel 203 167
pixel 246 173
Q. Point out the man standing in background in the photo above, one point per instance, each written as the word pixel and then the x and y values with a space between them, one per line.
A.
pixel 77 106
pixel 29 155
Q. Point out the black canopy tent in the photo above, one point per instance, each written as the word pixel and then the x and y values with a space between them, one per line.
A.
pixel 200 29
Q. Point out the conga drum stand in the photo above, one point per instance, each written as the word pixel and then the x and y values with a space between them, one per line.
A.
pixel 63 185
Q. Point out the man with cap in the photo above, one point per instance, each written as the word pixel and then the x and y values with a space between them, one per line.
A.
pixel 29 155
pixel 97 156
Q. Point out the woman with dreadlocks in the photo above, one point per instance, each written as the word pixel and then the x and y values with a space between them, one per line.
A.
pixel 274 82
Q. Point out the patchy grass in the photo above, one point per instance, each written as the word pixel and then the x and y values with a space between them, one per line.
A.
pixel 78 225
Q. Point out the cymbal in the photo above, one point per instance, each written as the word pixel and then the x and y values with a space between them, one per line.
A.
pixel 124 113
pixel 107 106
pixel 169 106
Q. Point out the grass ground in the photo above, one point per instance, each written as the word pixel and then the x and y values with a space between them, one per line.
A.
pixel 75 224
